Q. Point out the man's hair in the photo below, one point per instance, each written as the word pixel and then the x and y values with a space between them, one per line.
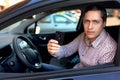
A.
pixel 94 8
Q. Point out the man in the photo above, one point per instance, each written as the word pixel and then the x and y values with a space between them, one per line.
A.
pixel 95 45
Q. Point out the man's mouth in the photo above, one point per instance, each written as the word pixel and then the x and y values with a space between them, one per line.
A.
pixel 90 32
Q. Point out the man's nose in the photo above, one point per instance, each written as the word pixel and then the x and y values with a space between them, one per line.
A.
pixel 90 26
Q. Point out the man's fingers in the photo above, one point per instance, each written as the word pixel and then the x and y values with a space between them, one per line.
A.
pixel 53 46
pixel 53 41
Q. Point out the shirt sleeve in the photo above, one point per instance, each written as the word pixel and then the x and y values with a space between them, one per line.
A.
pixel 109 51
pixel 69 49
pixel 107 57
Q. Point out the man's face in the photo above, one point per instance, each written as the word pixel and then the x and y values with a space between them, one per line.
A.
pixel 93 24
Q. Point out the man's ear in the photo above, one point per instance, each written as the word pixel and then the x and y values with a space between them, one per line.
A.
pixel 104 24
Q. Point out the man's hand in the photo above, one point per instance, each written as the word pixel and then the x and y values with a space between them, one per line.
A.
pixel 53 47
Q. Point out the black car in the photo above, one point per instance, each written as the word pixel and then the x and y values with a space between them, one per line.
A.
pixel 23 40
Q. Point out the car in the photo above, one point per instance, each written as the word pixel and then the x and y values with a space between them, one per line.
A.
pixel 24 38
pixel 54 22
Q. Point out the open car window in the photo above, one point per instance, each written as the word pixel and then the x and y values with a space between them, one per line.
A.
pixel 64 21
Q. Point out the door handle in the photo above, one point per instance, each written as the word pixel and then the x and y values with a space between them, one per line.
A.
pixel 42 38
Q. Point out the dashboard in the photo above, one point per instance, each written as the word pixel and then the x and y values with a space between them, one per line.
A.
pixel 5 52
pixel 9 61
pixel 5 46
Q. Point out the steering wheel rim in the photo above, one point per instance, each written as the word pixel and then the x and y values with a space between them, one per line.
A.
pixel 26 54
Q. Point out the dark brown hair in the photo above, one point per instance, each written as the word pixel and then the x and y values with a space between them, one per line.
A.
pixel 96 7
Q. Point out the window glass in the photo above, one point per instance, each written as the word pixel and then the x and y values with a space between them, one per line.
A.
pixel 64 21
pixel 60 19
pixel 46 20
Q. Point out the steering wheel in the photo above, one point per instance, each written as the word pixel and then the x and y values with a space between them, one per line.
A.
pixel 27 52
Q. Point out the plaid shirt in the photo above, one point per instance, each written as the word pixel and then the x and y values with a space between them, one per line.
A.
pixel 100 51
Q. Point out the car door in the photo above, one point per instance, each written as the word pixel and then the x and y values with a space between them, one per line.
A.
pixel 62 22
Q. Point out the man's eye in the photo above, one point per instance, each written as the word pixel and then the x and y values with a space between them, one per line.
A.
pixel 86 21
pixel 95 22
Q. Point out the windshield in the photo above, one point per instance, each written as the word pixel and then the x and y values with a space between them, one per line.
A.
pixel 10 28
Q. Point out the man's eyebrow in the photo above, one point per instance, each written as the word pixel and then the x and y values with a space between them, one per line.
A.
pixel 95 20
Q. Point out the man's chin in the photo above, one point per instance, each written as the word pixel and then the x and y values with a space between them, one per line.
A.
pixel 91 37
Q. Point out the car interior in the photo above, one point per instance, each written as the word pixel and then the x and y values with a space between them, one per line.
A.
pixel 66 37
pixel 112 30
